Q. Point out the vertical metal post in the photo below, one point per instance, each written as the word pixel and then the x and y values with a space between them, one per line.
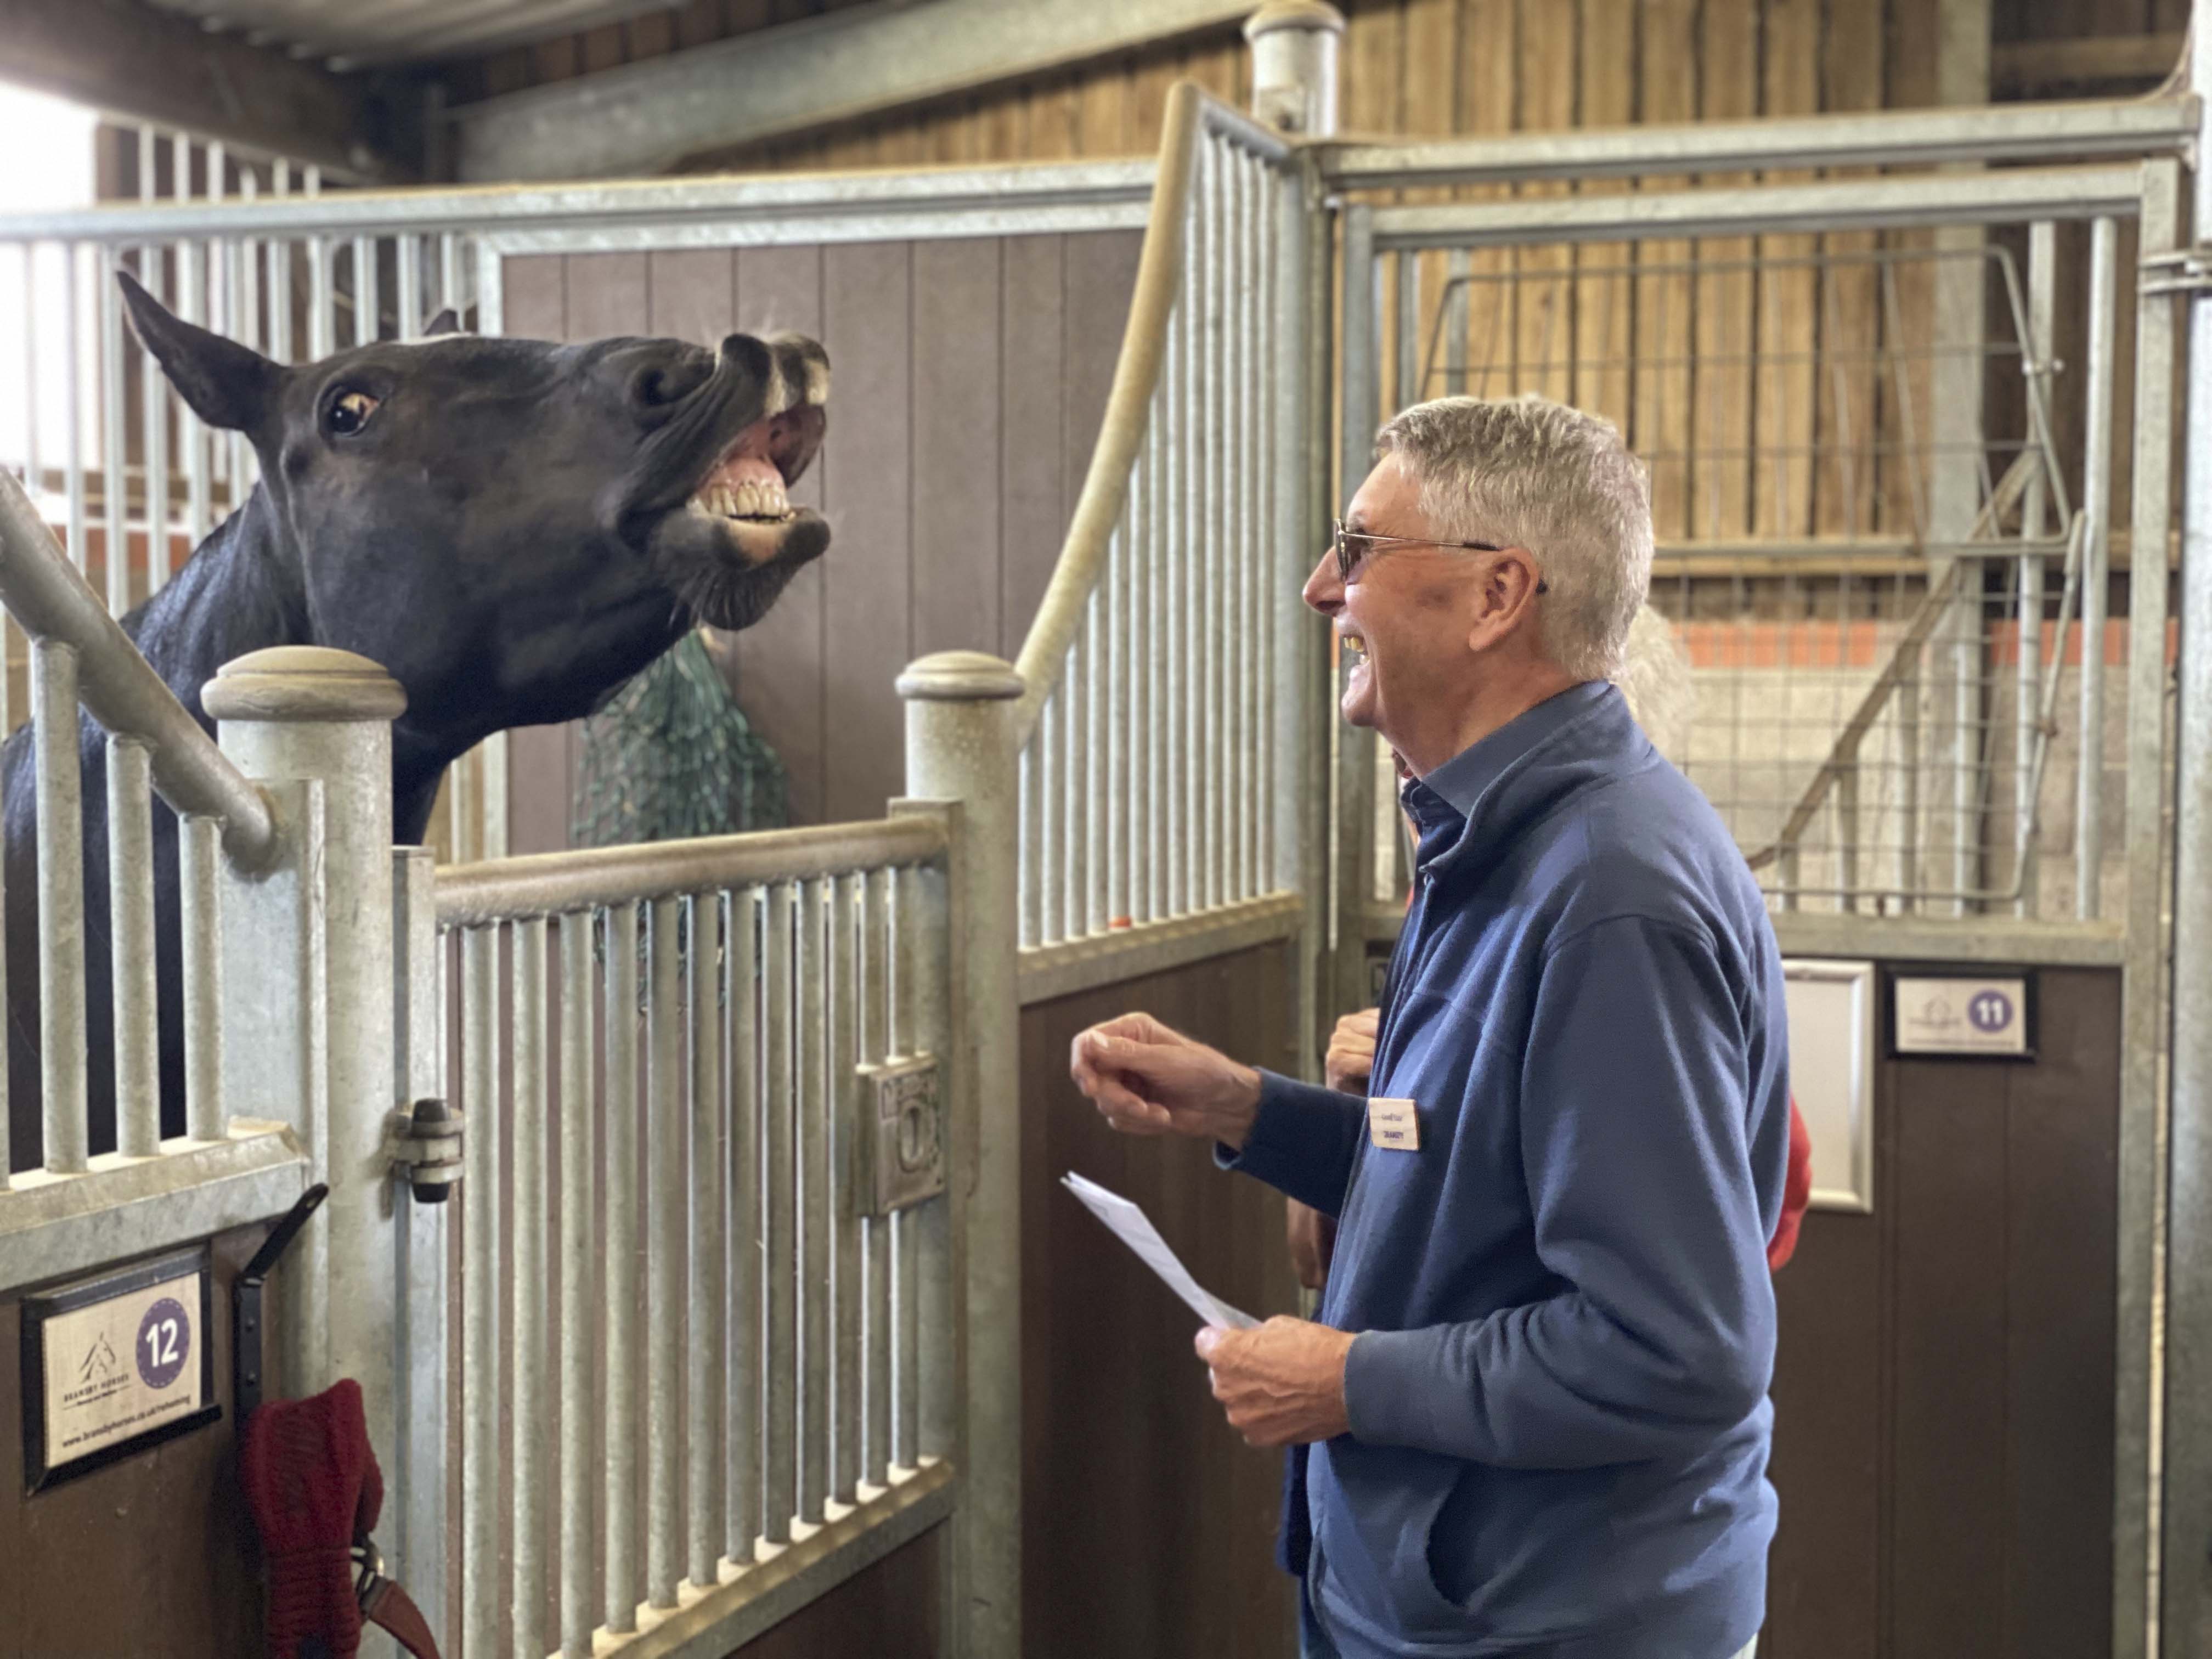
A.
pixel 131 933
pixel 481 1280
pixel 61 905
pixel 709 1335
pixel 579 1417
pixel 663 1256
pixel 114 482
pixel 200 852
pixel 2185 1620
pixel 875 1046
pixel 780 1439
pixel 308 974
pixel 812 1035
pixel 624 1355
pixel 2035 525
pixel 745 1215
pixel 422 1459
pixel 845 1128
pixel 1294 52
pixel 909 1225
pixel 1351 829
pixel 960 748
pixel 528 1456
pixel 73 334
pixel 2097 515
pixel 2145 1031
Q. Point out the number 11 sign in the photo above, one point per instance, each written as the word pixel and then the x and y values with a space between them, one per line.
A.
pixel 114 1363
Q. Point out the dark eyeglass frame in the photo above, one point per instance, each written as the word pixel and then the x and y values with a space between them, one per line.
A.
pixel 1340 540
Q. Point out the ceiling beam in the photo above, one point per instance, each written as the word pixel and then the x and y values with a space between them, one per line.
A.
pixel 139 64
pixel 648 117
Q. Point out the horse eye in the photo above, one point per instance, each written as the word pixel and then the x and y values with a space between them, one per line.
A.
pixel 351 412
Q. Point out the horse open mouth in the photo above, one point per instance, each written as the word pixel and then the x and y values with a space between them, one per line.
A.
pixel 746 490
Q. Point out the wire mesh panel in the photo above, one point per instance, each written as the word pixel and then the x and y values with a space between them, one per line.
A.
pixel 690 1339
pixel 1882 503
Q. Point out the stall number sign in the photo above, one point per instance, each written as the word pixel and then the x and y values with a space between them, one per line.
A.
pixel 1961 1015
pixel 121 1367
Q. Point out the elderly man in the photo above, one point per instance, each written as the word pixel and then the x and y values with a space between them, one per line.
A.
pixel 1533 1414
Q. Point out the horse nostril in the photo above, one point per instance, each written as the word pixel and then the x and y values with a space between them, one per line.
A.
pixel 659 385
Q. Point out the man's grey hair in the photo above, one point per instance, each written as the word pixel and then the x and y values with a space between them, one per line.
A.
pixel 1531 473
pixel 1655 678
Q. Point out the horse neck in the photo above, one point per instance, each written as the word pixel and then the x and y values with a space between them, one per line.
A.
pixel 239 592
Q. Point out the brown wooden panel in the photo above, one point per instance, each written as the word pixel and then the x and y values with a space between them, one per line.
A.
pixel 888 1611
pixel 1102 275
pixel 691 293
pixel 1725 299
pixel 1823 1588
pixel 1035 497
pixel 2061 1173
pixel 152 1555
pixel 780 661
pixel 1148 1524
pixel 956 445
pixel 866 313
pixel 1947 1454
pixel 540 775
pixel 535 296
pixel 608 294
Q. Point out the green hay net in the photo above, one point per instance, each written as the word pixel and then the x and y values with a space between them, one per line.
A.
pixel 671 755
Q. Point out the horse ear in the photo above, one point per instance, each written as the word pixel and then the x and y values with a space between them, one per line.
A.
pixel 444 323
pixel 227 385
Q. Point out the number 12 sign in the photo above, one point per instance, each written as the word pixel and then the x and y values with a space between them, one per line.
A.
pixel 114 1363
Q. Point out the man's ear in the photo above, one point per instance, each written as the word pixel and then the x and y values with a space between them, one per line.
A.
pixel 227 385
pixel 444 323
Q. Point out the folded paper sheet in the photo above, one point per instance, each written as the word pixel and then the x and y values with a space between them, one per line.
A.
pixel 1134 1228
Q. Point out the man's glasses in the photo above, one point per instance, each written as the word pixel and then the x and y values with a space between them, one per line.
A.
pixel 1351 546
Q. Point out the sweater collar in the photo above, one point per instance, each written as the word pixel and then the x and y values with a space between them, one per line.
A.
pixel 1446 803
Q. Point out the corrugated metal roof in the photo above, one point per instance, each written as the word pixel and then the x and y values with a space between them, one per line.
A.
pixel 361 33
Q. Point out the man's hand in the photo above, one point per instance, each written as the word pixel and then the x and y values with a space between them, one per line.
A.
pixel 1282 1384
pixel 1351 1054
pixel 1313 1241
pixel 1148 1080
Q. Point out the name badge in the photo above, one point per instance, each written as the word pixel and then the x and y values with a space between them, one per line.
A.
pixel 1394 1125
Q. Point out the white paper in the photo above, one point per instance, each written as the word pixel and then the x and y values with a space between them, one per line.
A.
pixel 1134 1228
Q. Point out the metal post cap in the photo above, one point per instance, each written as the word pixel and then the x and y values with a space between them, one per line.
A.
pixel 960 677
pixel 302 683
pixel 1293 15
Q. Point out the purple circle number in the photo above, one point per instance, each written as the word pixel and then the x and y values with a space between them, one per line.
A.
pixel 165 1341
pixel 1990 1011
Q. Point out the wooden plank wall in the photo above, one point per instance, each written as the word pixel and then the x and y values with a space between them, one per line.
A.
pixel 153 1554
pixel 1942 1396
pixel 968 378
pixel 1148 1525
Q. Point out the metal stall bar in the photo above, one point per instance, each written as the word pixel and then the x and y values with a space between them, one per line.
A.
pixel 73 377
pixel 779 1439
pixel 875 1049
pixel 114 489
pixel 61 906
pixel 707 1338
pixel 664 1258
pixel 844 1126
pixel 2140 1178
pixel 199 851
pixel 813 1202
pixel 745 1214
pixel 624 1575
pixel 528 1456
pixel 480 1281
pixel 131 953
pixel 2035 525
pixel 2097 511
pixel 906 1241
pixel 579 1409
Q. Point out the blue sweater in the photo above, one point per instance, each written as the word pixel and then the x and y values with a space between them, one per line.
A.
pixel 1557 1397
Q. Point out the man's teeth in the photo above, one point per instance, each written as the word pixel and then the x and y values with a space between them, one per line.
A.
pixel 750 499
pixel 1356 643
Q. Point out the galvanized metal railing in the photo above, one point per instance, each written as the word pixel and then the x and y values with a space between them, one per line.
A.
pixel 1155 731
pixel 81 660
pixel 665 1250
